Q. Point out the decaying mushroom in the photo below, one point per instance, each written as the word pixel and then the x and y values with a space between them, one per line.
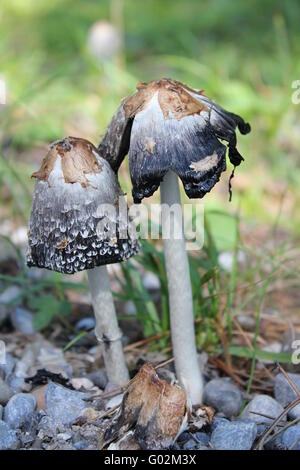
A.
pixel 152 414
pixel 171 129
pixel 166 125
pixel 76 225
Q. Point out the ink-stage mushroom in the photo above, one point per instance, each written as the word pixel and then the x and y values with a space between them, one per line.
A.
pixel 76 225
pixel 170 130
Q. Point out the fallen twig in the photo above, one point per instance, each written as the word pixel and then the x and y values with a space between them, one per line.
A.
pixel 164 363
pixel 263 415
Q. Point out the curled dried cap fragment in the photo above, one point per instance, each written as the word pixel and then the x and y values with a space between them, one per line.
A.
pixel 157 411
pixel 79 216
pixel 167 125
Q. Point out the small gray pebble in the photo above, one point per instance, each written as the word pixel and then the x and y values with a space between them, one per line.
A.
pixel 86 324
pixel 8 367
pixel 37 274
pixel 64 405
pixel 285 394
pixel 5 392
pixel 261 428
pixel 22 321
pixel 275 444
pixel 189 445
pixel 64 436
pixel 3 314
pixel 18 384
pixel 263 404
pixel 247 322
pixel 48 425
pixel 130 308
pixel 166 375
pixel 237 435
pixel 93 351
pixel 175 446
pixel 125 340
pixel 114 401
pixel 8 437
pixel 27 438
pixel 10 294
pixel 37 444
pixel 111 387
pixel 202 438
pixel 77 436
pixel 81 445
pixel 223 396
pixel 1 412
pixel 184 437
pixel 217 421
pixel 99 378
pixel 19 409
pixel 291 437
pixel 151 281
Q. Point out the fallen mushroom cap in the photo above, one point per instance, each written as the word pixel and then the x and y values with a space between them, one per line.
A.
pixel 165 126
pixel 157 410
pixel 70 225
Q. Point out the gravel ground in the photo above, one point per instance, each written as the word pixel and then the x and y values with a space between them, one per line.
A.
pixel 55 400
pixel 51 399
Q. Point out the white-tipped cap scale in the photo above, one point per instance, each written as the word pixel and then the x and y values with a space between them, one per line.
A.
pixel 76 221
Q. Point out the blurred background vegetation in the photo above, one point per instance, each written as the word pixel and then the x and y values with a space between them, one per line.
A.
pixel 245 55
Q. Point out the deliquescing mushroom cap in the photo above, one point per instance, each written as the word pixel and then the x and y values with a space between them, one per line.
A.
pixel 78 220
pixel 166 125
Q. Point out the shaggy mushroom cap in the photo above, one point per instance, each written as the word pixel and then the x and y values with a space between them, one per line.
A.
pixel 167 125
pixel 76 222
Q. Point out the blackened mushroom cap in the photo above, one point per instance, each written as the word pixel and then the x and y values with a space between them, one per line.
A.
pixel 79 216
pixel 167 125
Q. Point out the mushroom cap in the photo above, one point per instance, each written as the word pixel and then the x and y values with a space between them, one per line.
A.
pixel 79 216
pixel 167 125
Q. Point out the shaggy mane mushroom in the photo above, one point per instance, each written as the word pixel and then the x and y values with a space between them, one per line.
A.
pixel 73 229
pixel 170 130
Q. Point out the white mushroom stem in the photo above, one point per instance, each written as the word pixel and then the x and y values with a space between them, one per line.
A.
pixel 107 329
pixel 180 291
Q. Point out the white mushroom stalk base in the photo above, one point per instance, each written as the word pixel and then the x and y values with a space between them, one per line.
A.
pixel 107 329
pixel 180 292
